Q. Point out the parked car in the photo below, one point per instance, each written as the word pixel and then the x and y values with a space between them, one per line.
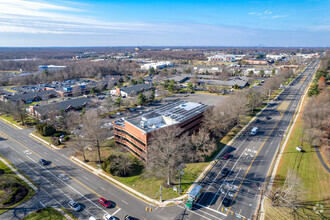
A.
pixel 257 120
pixel 268 117
pixel 226 156
pixel 127 217
pixel 119 113
pixel 44 162
pixel 224 172
pixel 104 202
pixel 75 206
pixel 226 202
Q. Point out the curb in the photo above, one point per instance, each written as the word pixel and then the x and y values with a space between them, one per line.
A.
pixel 19 174
pixel 281 148
pixel 43 141
pixel 100 173
pixel 12 124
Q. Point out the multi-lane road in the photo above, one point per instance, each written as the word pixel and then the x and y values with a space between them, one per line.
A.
pixel 63 180
pixel 251 159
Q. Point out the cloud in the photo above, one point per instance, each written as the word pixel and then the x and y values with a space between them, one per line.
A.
pixel 24 16
pixel 279 16
pixel 267 12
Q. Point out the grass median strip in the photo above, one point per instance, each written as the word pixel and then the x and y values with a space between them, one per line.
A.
pixel 47 213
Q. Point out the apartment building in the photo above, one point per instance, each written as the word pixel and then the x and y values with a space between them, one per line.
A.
pixel 135 133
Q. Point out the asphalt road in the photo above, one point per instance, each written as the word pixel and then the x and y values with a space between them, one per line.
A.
pixel 250 162
pixel 63 180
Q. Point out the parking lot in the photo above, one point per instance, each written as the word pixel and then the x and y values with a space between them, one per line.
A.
pixel 198 97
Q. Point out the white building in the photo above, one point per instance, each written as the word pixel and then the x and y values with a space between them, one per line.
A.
pixel 275 57
pixel 51 68
pixel 221 58
pixel 158 65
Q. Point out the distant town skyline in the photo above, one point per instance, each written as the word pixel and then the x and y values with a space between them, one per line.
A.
pixel 61 23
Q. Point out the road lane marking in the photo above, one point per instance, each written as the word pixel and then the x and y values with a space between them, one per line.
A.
pixel 116 211
pixel 203 206
pixel 56 167
pixel 259 151
pixel 126 202
pixel 42 204
pixel 194 212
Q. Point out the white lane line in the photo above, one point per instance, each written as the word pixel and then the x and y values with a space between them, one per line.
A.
pixel 229 189
pixel 194 213
pixel 42 204
pixel 116 211
pixel 69 186
pixel 85 177
pixel 127 203
pixel 227 176
pixel 102 188
pixel 215 178
pixel 51 196
pixel 210 209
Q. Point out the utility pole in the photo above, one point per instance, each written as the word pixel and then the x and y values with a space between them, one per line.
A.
pixel 161 199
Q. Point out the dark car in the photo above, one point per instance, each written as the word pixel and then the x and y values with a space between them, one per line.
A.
pixel 44 162
pixel 268 117
pixel 127 217
pixel 224 172
pixel 104 202
pixel 258 120
pixel 226 156
pixel 226 202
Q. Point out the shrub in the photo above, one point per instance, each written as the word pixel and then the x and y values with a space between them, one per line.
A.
pixel 57 134
pixel 66 138
pixel 122 165
pixel 45 130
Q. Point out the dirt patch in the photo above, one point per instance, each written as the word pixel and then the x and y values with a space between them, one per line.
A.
pixel 2 172
pixel 15 193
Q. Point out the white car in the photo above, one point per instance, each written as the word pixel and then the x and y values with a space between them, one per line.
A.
pixel 75 206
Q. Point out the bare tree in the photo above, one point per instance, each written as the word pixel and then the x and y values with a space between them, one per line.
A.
pixel 93 132
pixel 109 103
pixel 19 112
pixel 77 91
pixel 167 150
pixel 254 99
pixel 78 142
pixel 290 194
pixel 203 145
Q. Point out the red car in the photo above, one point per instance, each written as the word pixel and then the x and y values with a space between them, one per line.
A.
pixel 226 156
pixel 104 202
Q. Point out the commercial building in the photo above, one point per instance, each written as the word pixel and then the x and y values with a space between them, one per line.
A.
pixel 158 65
pixel 131 91
pixel 51 68
pixel 30 97
pixel 221 58
pixel 135 133
pixel 42 111
pixel 257 62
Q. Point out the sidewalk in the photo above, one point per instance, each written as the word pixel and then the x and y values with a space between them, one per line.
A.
pixel 12 124
pixel 19 174
pixel 43 141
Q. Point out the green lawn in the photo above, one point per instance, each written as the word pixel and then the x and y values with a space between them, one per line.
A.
pixel 47 213
pixel 10 176
pixel 316 179
pixel 11 119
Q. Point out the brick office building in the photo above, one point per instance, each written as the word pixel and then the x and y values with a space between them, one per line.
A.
pixel 135 133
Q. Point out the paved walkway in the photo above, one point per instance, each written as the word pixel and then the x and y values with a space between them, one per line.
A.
pixel 321 158
pixel 18 174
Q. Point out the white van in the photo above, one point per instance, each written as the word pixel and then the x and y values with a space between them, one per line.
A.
pixel 254 131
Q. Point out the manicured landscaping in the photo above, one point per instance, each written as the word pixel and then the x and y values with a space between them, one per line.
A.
pixel 316 179
pixel 14 190
pixel 47 213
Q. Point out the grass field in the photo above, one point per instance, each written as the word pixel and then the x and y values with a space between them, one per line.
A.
pixel 316 179
pixel 47 213
pixel 10 177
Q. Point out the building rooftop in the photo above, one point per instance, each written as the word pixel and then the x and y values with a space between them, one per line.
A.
pixel 170 114
pixel 58 106
pixel 136 88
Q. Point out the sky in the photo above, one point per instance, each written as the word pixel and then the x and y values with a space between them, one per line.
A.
pixel 72 23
